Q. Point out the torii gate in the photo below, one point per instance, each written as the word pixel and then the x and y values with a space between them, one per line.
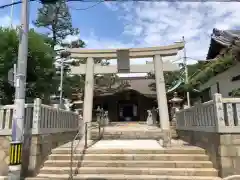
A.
pixel 123 66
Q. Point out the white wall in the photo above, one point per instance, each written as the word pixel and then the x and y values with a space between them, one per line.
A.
pixel 225 83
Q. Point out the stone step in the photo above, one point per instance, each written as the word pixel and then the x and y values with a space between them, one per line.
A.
pixel 119 177
pixel 134 157
pixel 134 171
pixel 130 135
pixel 149 164
pixel 181 150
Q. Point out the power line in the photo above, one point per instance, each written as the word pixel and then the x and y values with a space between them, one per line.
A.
pixel 19 2
pixel 12 4
pixel 89 7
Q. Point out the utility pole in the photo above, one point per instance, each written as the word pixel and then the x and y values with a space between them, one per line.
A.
pixel 19 108
pixel 61 83
pixel 186 71
pixel 11 15
pixel 63 55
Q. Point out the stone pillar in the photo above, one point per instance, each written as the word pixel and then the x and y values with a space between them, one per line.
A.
pixel 154 115
pixel 88 95
pixel 162 99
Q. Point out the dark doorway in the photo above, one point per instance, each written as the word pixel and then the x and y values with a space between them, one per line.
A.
pixel 127 111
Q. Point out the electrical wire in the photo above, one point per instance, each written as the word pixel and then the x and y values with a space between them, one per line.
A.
pixel 19 2
pixel 97 1
pixel 12 4
pixel 89 7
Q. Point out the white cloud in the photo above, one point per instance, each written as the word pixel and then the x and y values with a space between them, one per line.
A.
pixel 94 42
pixel 161 23
pixel 6 21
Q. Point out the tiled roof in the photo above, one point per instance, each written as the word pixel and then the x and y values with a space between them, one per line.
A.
pixel 221 39
pixel 140 84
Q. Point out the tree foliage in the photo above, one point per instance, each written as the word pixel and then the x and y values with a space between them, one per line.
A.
pixel 172 78
pixel 211 69
pixel 57 19
pixel 235 93
pixel 40 69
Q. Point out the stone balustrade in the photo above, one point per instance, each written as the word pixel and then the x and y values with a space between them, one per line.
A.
pixel 39 119
pixel 47 119
pixel 200 117
pixel 220 115
pixel 214 126
pixel 6 115
pixel 46 128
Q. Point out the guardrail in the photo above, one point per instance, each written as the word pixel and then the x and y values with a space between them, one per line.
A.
pixel 218 115
pixel 88 126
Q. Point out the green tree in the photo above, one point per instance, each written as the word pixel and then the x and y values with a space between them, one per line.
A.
pixel 57 19
pixel 172 78
pixel 40 69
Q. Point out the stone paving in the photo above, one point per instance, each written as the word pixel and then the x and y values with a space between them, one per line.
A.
pixel 131 126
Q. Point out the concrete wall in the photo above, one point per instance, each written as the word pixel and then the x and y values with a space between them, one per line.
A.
pixel 35 151
pixel 223 149
pixel 224 80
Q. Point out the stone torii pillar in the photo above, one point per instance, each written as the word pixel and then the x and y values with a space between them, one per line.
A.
pixel 88 97
pixel 162 99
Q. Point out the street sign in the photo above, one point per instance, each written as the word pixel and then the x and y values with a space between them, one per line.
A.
pixel 11 75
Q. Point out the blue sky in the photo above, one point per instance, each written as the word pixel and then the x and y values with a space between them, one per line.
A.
pixel 117 25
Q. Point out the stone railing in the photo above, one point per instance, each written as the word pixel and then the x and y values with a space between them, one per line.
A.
pixel 220 115
pixel 47 119
pixel 39 119
pixel 6 116
pixel 215 127
pixel 45 128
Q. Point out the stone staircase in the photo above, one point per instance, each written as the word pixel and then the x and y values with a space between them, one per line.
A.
pixel 128 130
pixel 135 160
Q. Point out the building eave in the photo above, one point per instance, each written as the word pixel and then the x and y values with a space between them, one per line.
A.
pixel 220 40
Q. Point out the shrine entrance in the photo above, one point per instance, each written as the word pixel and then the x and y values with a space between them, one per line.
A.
pixel 125 106
pixel 128 111
pixel 123 57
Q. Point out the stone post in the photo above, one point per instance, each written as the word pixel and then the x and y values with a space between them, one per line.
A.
pixel 88 95
pixel 36 115
pixel 218 105
pixel 162 100
pixel 154 115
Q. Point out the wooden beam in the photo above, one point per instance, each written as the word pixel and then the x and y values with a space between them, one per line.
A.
pixel 136 68
pixel 170 50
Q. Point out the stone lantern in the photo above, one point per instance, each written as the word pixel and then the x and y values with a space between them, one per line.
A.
pixel 176 104
pixel 98 114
